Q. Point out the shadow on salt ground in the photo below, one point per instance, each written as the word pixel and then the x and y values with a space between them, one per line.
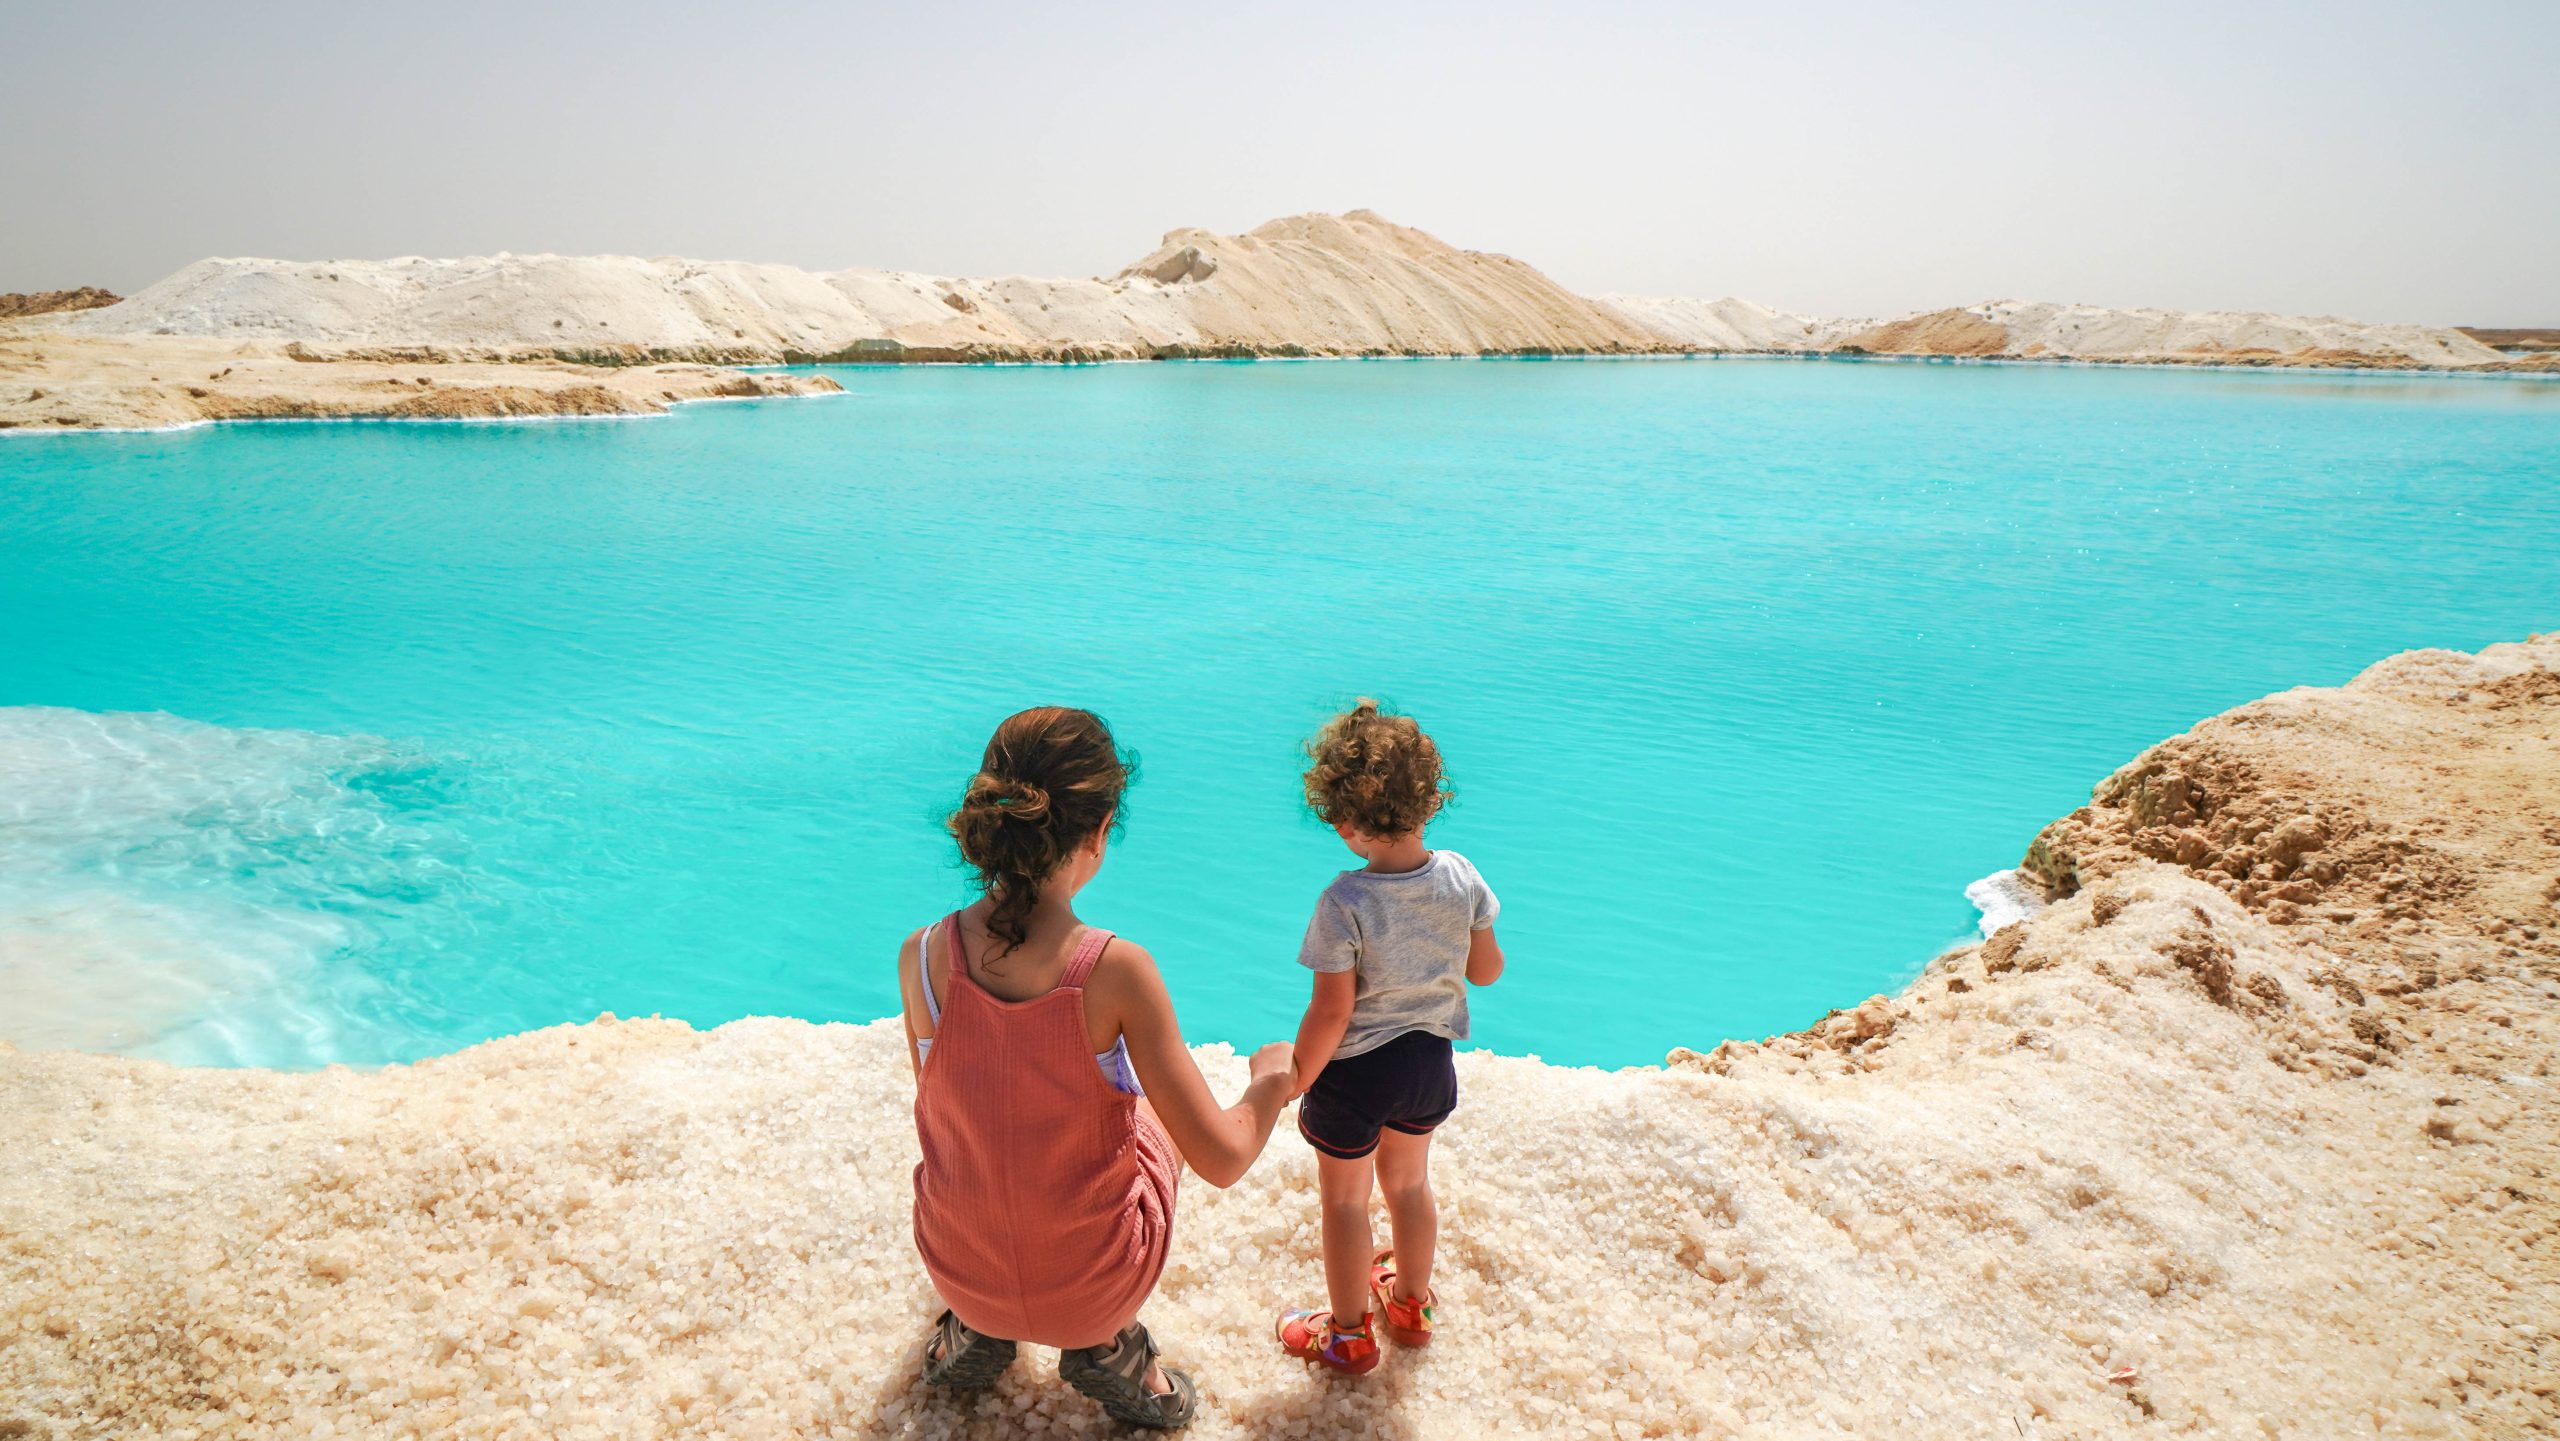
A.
pixel 900 1404
pixel 1314 1406
pixel 1029 1394
pixel 1323 1405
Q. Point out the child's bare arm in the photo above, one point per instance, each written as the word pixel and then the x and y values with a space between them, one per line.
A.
pixel 1220 1143
pixel 1328 1015
pixel 1484 958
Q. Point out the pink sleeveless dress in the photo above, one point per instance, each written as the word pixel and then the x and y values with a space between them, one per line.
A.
pixel 1044 1203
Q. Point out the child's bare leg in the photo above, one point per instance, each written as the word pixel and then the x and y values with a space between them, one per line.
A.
pixel 1344 1189
pixel 1413 1216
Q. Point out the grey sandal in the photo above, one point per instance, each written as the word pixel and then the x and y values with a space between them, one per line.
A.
pixel 968 1361
pixel 1116 1376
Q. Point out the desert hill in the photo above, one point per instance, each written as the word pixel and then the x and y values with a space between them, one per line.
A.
pixel 282 333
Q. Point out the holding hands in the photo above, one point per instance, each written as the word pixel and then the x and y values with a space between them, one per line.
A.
pixel 1277 1059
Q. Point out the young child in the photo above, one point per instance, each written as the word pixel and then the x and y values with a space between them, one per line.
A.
pixel 1394 946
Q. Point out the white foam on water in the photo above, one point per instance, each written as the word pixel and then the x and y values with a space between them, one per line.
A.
pixel 106 429
pixel 196 893
pixel 2004 897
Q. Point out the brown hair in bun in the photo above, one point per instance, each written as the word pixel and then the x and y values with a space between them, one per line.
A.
pixel 1051 777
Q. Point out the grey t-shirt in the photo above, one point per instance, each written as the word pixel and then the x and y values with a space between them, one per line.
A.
pixel 1407 935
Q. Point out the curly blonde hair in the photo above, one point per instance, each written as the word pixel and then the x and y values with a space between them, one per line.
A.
pixel 1375 772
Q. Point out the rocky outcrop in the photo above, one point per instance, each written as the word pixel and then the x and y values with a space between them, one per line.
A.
pixel 51 302
pixel 2285 806
pixel 2530 340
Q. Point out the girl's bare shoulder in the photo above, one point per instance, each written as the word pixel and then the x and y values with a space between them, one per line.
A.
pixel 1125 971
pixel 1124 957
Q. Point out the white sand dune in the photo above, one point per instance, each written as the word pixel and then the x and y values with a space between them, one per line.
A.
pixel 1733 324
pixel 2249 1133
pixel 1354 284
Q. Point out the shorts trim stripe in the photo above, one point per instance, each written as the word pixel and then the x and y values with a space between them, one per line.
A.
pixel 1339 1153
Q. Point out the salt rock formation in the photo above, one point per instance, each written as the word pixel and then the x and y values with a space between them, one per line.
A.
pixel 63 382
pixel 1354 284
pixel 2186 1150
pixel 2264 824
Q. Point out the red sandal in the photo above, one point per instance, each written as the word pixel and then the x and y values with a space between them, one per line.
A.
pixel 1314 1336
pixel 1409 1322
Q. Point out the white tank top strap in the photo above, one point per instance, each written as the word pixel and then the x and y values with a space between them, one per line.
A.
pixel 924 973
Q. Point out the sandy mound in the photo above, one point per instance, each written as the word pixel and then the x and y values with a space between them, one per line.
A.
pixel 1940 332
pixel 1309 285
pixel 58 382
pixel 2037 330
pixel 2250 1133
pixel 2041 330
pixel 1731 325
pixel 1359 284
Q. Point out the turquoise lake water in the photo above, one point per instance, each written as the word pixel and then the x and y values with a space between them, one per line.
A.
pixel 1743 670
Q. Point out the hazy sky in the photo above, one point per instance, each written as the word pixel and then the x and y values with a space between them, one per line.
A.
pixel 2390 161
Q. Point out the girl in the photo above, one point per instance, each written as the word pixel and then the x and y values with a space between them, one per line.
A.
pixel 1394 946
pixel 1055 1101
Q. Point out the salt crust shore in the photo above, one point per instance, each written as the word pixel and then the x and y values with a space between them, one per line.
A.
pixel 2249 1133
pixel 1355 284
pixel 51 382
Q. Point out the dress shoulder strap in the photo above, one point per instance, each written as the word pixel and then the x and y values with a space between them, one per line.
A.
pixel 1088 951
pixel 956 956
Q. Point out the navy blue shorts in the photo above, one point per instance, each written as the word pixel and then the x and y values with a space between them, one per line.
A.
pixel 1410 1084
